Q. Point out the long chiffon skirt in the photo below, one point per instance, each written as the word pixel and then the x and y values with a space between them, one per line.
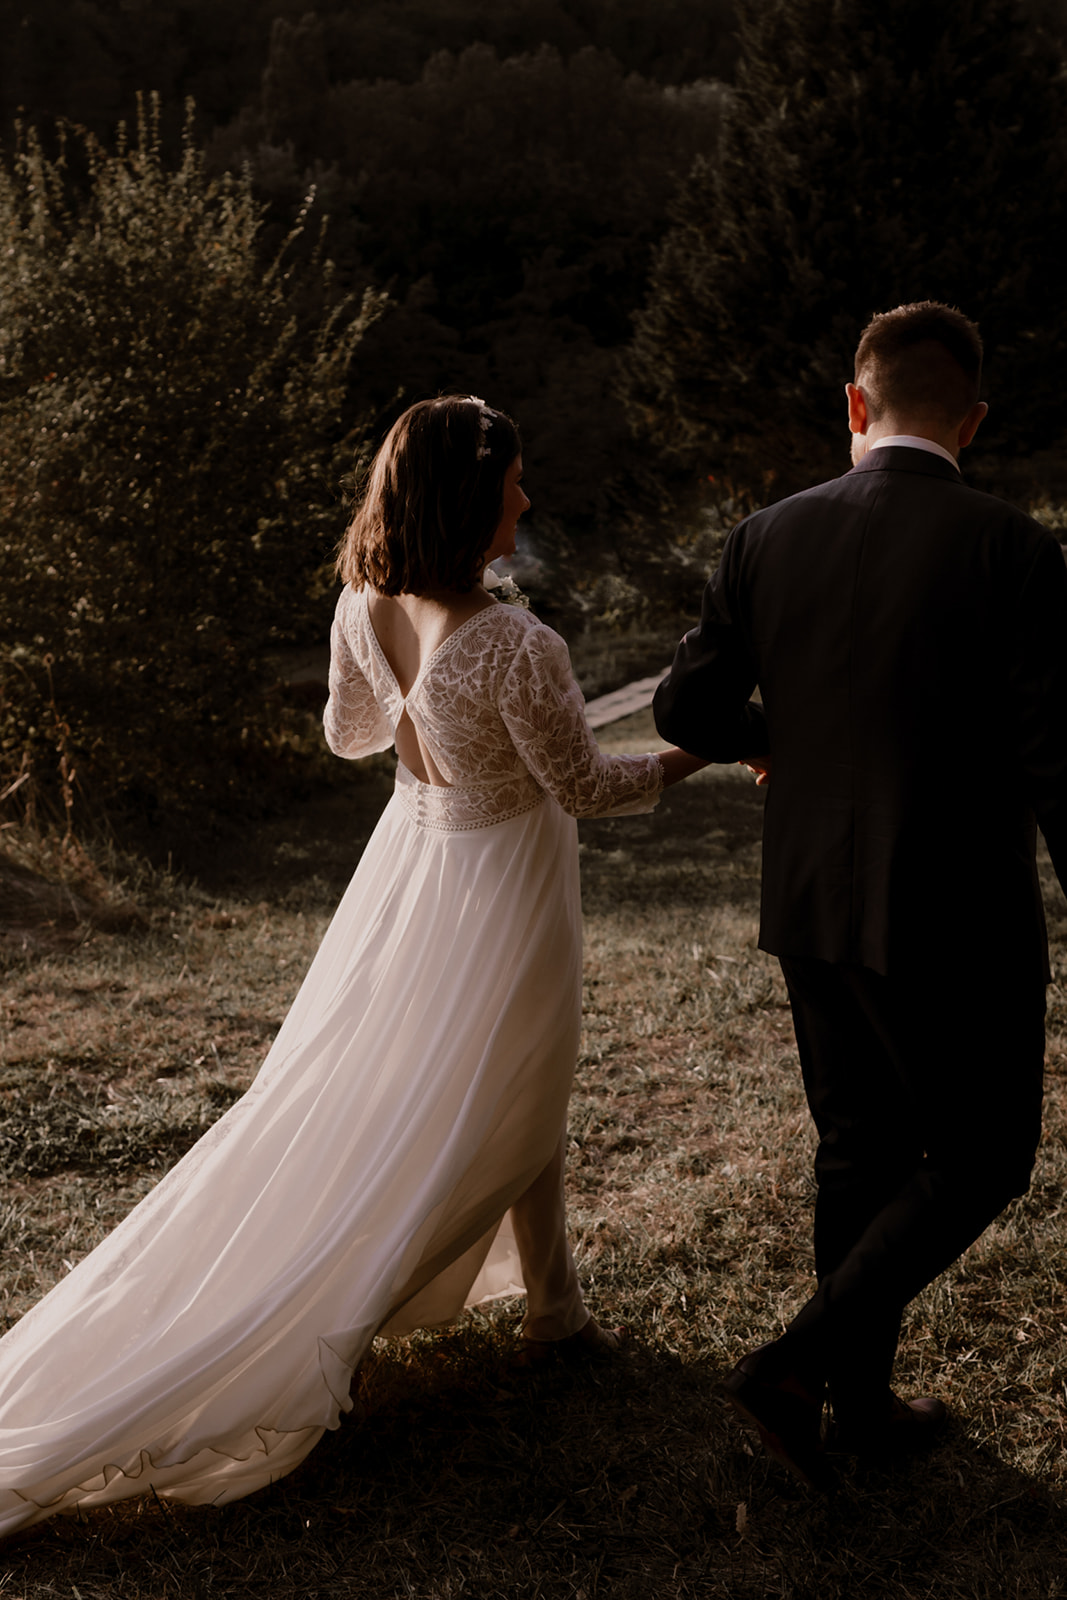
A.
pixel 417 1087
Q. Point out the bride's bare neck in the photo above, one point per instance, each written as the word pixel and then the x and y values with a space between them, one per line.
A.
pixel 410 627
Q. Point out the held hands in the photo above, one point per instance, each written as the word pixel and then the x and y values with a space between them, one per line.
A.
pixel 679 764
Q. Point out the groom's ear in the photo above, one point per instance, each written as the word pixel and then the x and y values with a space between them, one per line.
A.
pixel 969 425
pixel 858 420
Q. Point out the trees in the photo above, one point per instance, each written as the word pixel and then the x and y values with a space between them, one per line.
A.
pixel 870 155
pixel 170 417
pixel 501 166
pixel 510 204
pixel 673 41
pixel 86 63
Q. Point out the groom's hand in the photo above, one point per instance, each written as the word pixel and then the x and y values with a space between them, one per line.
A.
pixel 760 768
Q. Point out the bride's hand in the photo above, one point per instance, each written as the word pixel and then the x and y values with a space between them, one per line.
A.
pixel 678 764
pixel 760 768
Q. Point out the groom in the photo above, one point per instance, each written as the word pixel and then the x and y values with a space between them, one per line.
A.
pixel 909 639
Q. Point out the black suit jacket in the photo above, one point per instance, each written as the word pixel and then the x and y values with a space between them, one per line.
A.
pixel 909 639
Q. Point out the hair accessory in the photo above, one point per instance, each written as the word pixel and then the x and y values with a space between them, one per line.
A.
pixel 485 422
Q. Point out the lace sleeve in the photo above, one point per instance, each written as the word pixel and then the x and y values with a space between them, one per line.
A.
pixel 353 722
pixel 544 712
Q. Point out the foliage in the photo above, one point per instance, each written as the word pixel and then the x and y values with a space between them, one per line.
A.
pixel 510 204
pixel 170 415
pixel 494 160
pixel 505 167
pixel 869 156
pixel 1053 517
pixel 678 41
pixel 86 62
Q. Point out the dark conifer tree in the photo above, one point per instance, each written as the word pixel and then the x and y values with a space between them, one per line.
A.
pixel 870 155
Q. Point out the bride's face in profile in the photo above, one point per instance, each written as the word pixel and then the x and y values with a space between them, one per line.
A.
pixel 515 503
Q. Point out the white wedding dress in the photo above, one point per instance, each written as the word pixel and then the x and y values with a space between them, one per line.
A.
pixel 416 1090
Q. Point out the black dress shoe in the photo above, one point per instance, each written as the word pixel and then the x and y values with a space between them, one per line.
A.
pixel 905 1426
pixel 787 1415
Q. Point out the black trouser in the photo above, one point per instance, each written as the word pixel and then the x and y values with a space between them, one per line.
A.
pixel 926 1094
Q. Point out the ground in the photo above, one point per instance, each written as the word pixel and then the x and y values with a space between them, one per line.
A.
pixel 124 1031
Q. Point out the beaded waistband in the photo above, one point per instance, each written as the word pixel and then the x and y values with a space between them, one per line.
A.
pixel 456 810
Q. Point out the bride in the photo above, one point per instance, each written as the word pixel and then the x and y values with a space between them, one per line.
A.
pixel 400 1153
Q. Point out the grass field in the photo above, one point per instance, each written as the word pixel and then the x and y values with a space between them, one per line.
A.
pixel 690 1200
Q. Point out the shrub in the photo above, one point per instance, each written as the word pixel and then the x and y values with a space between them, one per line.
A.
pixel 171 416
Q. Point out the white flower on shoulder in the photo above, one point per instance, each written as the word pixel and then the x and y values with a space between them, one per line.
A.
pixel 504 589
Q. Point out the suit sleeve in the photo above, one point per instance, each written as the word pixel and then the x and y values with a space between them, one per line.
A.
pixel 703 704
pixel 1040 695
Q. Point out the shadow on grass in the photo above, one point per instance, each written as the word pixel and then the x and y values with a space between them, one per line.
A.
pixel 309 850
pixel 701 846
pixel 627 1480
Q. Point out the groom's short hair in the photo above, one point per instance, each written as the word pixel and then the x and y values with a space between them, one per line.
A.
pixel 920 360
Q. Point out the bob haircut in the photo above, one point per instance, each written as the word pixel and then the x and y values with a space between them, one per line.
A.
pixel 920 360
pixel 433 499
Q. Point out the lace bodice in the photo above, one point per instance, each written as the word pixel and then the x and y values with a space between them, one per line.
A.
pixel 499 710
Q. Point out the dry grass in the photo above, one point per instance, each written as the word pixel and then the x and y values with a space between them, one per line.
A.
pixel 690 1195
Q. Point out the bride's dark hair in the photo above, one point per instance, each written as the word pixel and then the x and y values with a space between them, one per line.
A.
pixel 433 499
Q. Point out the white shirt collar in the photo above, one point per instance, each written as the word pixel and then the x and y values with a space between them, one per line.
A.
pixel 913 441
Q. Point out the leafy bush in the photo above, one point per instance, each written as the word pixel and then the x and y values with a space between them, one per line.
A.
pixel 1054 518
pixel 171 416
